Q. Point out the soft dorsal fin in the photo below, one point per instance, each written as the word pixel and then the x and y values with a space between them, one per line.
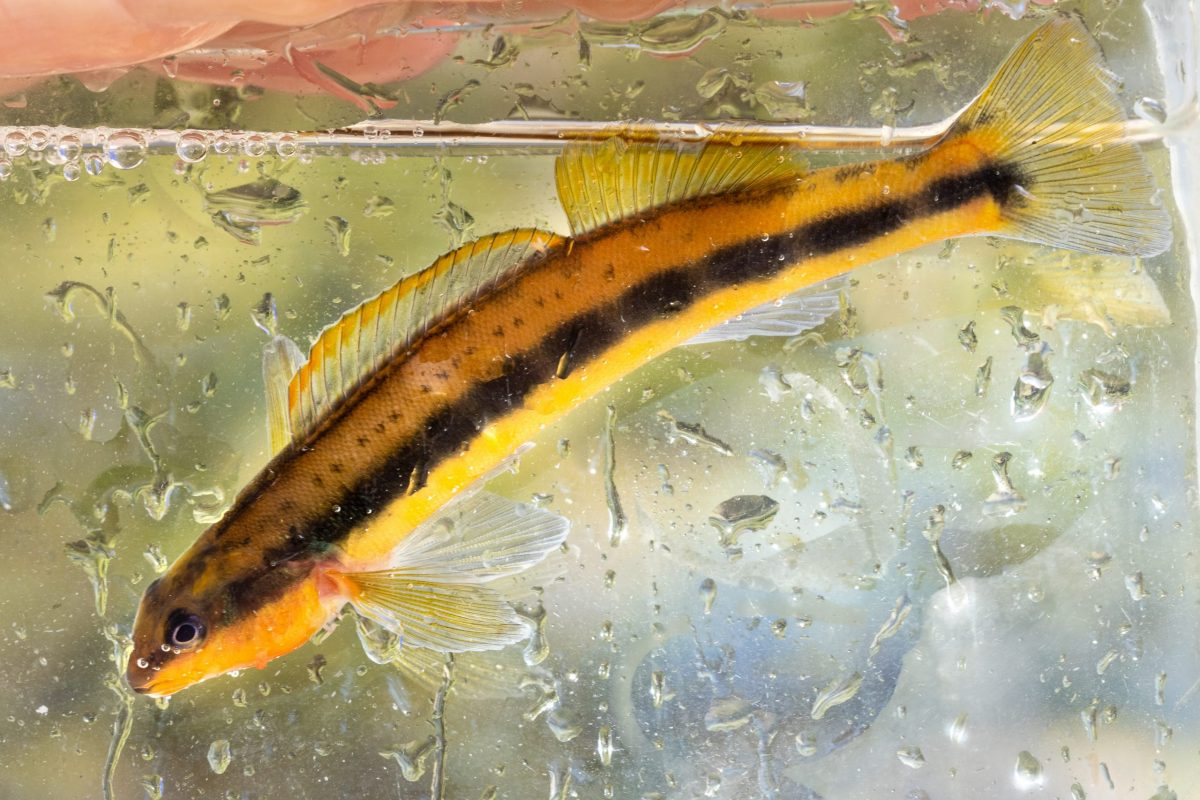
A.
pixel 281 359
pixel 351 349
pixel 600 183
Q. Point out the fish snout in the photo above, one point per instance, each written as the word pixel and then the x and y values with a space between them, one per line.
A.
pixel 141 673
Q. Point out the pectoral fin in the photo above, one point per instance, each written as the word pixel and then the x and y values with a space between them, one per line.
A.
pixel 450 612
pixel 434 594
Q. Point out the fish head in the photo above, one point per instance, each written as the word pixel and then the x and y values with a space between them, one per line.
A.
pixel 190 628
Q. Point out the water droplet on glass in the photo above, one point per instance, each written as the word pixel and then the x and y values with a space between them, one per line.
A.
pixel 1006 500
pixel 221 306
pixel 38 140
pixel 770 465
pixel 1103 391
pixel 728 714
pixel 219 756
pixel 605 745
pixel 958 729
pixel 658 684
pixel 158 561
pixel 836 692
pixel 967 337
pixel 1150 109
pixel 378 206
pixel 741 513
pixel 6 169
pixel 1015 317
pixel 537 649
pixel 125 149
pixel 1106 660
pixel 1136 587
pixel 983 378
pixel 1027 774
pixel 412 757
pixel 93 164
pixel 243 211
pixel 911 756
pixel 72 171
pixel 618 523
pixel 265 316
pixel 708 594
pixel 339 231
pixel 564 727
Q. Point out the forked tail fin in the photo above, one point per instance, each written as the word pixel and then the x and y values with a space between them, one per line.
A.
pixel 1051 113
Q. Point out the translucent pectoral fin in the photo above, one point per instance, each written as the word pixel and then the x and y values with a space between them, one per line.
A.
pixel 433 594
pixel 281 358
pixel 789 316
pixel 483 537
pixel 450 612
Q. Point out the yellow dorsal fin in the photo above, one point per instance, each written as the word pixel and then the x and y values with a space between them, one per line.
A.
pixel 351 349
pixel 600 183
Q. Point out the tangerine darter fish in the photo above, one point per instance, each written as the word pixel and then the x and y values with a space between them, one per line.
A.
pixel 430 387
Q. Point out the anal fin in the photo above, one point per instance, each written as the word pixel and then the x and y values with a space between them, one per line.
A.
pixel 789 316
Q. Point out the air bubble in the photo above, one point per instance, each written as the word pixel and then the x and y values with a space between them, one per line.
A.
pixel 192 147
pixel 286 146
pixel 126 149
pixel 16 143
pixel 255 146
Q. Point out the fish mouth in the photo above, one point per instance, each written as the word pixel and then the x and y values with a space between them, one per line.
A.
pixel 148 681
pixel 155 688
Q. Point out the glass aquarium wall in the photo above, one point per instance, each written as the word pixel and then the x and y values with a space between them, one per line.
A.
pixel 941 545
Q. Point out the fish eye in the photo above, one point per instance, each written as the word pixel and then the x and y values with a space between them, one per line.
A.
pixel 184 630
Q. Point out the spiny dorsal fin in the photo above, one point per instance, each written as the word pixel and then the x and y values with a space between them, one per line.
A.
pixel 350 350
pixel 600 183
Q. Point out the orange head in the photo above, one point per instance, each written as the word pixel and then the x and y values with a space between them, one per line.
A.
pixel 211 614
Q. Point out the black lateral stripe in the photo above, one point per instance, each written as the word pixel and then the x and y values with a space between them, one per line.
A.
pixel 592 332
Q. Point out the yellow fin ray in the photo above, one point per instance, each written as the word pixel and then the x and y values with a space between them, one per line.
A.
pixel 1052 112
pixel 434 596
pixel 601 183
pixel 351 349
pixel 281 359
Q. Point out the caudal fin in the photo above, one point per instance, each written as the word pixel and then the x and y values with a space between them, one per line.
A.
pixel 1052 113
